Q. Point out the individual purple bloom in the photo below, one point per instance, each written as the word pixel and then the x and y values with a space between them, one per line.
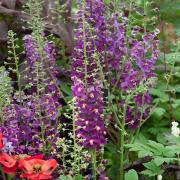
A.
pixel 132 118
pixel 102 174
pixel 148 37
pixel 131 81
pixel 142 99
pixel 146 65
pixel 135 30
pixel 138 51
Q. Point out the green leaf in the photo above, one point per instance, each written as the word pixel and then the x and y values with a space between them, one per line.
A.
pixel 78 177
pixel 152 169
pixel 62 177
pixel 172 139
pixel 160 138
pixel 159 111
pixel 143 150
pixel 176 113
pixel 150 173
pixel 66 89
pixel 159 161
pixel 157 148
pixel 171 57
pixel 157 92
pixel 150 165
pixel 172 150
pixel 131 174
pixel 142 154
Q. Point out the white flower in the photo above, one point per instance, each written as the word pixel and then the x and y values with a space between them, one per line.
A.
pixel 157 31
pixel 159 177
pixel 175 131
pixel 175 123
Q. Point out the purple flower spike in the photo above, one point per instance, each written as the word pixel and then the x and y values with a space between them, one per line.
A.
pixel 87 86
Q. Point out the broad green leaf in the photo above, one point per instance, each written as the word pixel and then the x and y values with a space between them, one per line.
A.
pixel 160 138
pixel 174 149
pixel 78 177
pixel 150 173
pixel 152 169
pixel 158 161
pixel 62 177
pixel 176 112
pixel 131 175
pixel 157 92
pixel 157 148
pixel 142 154
pixel 159 111
pixel 66 89
pixel 171 57
pixel 150 165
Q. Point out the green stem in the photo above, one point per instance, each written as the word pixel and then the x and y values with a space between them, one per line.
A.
pixel 3 175
pixel 63 157
pixel 85 43
pixel 121 175
pixel 17 68
pixel 9 177
pixel 93 156
pixel 74 139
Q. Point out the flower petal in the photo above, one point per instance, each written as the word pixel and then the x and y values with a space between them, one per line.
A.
pixel 7 160
pixel 25 166
pixel 49 166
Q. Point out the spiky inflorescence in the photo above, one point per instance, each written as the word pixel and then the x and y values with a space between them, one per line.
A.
pixel 31 123
pixel 87 86
pixel 131 58
pixel 42 104
pixel 126 55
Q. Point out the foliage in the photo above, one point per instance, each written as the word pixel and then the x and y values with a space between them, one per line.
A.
pixel 131 174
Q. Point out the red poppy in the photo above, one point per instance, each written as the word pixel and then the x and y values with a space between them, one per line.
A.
pixel 1 141
pixel 6 160
pixel 17 158
pixel 37 169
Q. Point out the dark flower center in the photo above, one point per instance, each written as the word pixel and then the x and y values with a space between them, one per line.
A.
pixel 37 168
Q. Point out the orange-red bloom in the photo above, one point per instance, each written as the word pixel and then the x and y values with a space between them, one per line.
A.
pixel 6 160
pixel 12 169
pixel 37 169
pixel 1 141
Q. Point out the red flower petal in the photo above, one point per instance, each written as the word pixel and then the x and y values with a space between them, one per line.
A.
pixel 7 160
pixel 49 166
pixel 40 156
pixel 11 170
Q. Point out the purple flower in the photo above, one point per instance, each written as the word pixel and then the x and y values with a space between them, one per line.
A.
pixel 142 99
pixel 148 37
pixel 87 86
pixel 132 118
pixel 32 124
pixel 131 81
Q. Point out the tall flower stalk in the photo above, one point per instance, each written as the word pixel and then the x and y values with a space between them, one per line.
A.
pixel 113 40
pixel 87 85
